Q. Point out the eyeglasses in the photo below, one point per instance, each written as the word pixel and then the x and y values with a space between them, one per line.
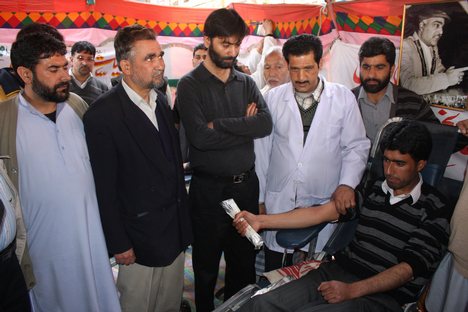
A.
pixel 82 58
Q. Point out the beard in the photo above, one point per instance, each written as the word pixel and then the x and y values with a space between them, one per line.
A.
pixel 374 88
pixel 143 81
pixel 157 81
pixel 220 61
pixel 51 94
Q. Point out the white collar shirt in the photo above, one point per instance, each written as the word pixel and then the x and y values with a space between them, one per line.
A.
pixel 79 83
pixel 394 199
pixel 149 109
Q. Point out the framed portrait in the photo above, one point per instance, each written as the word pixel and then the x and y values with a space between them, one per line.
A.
pixel 433 53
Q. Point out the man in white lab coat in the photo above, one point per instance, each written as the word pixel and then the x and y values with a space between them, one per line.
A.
pixel 318 148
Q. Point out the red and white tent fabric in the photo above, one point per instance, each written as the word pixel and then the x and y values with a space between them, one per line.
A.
pixel 342 26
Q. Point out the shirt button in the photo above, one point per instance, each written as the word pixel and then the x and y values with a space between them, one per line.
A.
pixel 299 165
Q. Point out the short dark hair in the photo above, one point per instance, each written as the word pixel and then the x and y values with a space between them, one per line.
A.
pixel 29 49
pixel 200 46
pixel 303 44
pixel 126 38
pixel 35 28
pixel 377 46
pixel 225 23
pixel 408 137
pixel 83 46
pixel 418 13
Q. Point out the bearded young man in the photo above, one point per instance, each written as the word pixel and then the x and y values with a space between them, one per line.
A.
pixel 223 112
pixel 140 185
pixel 378 98
pixel 42 133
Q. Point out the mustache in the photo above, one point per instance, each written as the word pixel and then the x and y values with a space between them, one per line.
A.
pixel 62 84
pixel 158 73
pixel 370 79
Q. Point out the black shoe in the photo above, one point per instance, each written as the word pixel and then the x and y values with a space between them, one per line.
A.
pixel 185 306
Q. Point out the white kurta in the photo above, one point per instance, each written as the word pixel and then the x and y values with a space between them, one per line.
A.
pixel 258 74
pixel 293 174
pixel 57 193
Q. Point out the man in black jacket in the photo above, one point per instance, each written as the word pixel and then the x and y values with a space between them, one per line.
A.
pixel 140 186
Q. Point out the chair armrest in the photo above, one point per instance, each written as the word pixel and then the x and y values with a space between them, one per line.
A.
pixel 298 238
pixel 341 237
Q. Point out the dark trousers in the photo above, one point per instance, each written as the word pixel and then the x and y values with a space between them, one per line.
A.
pixel 274 259
pixel 214 234
pixel 302 295
pixel 13 292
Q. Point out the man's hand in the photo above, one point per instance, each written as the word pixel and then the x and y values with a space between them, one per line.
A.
pixel 126 258
pixel 251 110
pixel 244 68
pixel 463 127
pixel 210 125
pixel 268 26
pixel 335 291
pixel 343 198
pixel 260 46
pixel 454 76
pixel 243 219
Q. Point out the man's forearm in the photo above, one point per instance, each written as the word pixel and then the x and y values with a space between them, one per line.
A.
pixel 257 126
pixel 299 218
pixel 387 280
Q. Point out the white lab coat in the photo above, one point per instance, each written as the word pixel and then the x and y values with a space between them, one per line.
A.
pixel 293 174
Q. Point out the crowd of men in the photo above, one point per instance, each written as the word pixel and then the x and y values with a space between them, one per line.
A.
pixel 90 173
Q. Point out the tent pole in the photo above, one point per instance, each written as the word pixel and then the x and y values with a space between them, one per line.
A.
pixel 329 5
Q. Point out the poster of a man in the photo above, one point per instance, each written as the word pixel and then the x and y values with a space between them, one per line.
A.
pixel 433 59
